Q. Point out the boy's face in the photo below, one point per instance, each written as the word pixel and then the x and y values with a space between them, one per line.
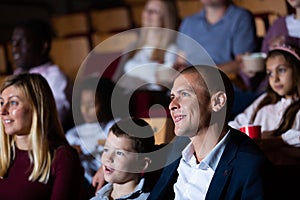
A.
pixel 119 160
pixel 88 106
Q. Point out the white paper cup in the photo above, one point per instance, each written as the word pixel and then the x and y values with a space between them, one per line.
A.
pixel 254 62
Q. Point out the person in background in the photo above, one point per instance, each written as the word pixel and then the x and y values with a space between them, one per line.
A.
pixel 285 30
pixel 277 110
pixel 35 157
pixel 31 45
pixel 95 97
pixel 125 160
pixel 229 164
pixel 226 32
pixel 154 50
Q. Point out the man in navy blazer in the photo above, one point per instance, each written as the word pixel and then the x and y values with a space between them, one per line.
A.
pixel 219 162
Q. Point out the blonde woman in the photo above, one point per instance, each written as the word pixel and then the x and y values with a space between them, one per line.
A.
pixel 35 157
pixel 155 47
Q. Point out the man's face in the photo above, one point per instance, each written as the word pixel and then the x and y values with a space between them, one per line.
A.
pixel 25 48
pixel 190 105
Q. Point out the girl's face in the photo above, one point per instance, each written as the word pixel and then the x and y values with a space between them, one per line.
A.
pixel 294 3
pixel 152 15
pixel 16 111
pixel 280 74
pixel 88 106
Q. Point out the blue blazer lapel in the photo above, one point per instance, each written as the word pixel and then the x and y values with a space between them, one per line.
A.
pixel 223 171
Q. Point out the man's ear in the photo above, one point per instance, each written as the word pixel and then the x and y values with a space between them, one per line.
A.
pixel 218 101
pixel 145 164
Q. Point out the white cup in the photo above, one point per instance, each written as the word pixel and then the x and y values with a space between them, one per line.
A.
pixel 254 62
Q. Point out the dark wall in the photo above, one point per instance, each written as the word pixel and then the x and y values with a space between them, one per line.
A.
pixel 14 10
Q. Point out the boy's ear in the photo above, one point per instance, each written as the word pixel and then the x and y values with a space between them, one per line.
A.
pixel 145 164
pixel 218 101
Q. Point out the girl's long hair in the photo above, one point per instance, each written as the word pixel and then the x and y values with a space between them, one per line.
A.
pixel 272 97
pixel 46 132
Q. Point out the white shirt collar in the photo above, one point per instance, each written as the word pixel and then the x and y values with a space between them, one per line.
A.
pixel 211 160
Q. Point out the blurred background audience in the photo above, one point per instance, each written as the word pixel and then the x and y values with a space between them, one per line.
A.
pixel 31 45
pixel 154 51
pixel 95 95
pixel 285 30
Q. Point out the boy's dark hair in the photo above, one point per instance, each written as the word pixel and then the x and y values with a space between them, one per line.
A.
pixel 103 88
pixel 138 130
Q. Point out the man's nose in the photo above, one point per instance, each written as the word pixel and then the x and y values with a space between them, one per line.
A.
pixel 174 104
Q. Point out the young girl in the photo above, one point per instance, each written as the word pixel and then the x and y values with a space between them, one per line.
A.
pixel 277 110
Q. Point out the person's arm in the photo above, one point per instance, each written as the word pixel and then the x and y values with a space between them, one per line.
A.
pixel 243 41
pixel 292 137
pixel 98 179
pixel 244 36
pixel 67 174
pixel 231 67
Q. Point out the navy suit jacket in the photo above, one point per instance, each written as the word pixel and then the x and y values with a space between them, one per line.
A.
pixel 243 173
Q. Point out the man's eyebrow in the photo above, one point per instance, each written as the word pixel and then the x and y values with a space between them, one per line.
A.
pixel 190 89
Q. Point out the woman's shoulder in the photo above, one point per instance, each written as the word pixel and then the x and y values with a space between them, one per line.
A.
pixel 65 153
pixel 279 23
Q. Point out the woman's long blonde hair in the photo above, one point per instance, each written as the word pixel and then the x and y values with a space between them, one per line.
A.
pixel 46 132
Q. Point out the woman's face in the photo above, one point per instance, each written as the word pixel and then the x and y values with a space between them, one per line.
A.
pixel 280 74
pixel 152 15
pixel 16 111
pixel 294 3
